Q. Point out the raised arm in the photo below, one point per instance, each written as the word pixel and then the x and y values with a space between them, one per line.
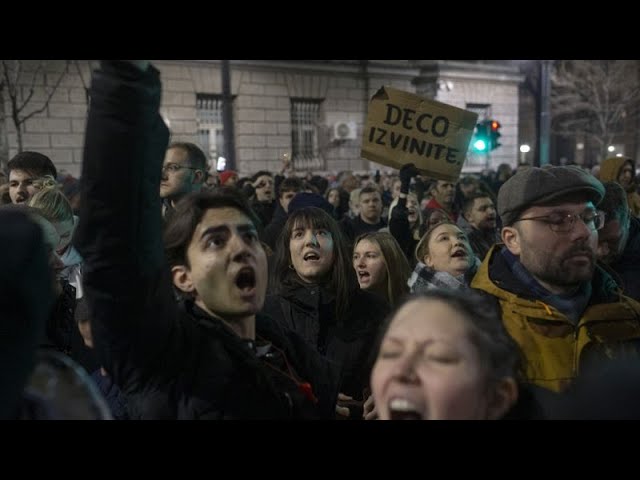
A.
pixel 119 234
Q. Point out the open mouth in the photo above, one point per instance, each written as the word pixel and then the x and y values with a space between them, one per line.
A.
pixel 459 253
pixel 311 257
pixel 363 275
pixel 403 409
pixel 246 279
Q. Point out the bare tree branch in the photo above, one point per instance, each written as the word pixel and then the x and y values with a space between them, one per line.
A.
pixel 594 98
pixel 48 99
pixel 12 84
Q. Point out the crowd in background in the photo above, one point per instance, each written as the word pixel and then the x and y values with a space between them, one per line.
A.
pixel 180 292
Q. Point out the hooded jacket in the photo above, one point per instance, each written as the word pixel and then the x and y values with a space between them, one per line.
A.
pixel 553 347
pixel 610 171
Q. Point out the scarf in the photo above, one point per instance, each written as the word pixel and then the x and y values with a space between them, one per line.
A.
pixel 572 305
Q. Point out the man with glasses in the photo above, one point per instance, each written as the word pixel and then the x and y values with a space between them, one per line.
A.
pixel 564 310
pixel 183 172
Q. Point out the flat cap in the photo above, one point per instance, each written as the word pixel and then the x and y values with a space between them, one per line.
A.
pixel 538 186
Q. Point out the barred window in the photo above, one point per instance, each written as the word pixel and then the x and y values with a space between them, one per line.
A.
pixel 210 124
pixel 305 116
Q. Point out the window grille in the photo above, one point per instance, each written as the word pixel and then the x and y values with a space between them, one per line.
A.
pixel 305 117
pixel 210 124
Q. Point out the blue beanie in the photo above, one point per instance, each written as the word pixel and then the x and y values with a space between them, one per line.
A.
pixel 306 199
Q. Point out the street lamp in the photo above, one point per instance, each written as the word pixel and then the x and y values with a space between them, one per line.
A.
pixel 524 149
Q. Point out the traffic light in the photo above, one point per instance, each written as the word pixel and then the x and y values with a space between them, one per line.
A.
pixel 481 141
pixel 494 133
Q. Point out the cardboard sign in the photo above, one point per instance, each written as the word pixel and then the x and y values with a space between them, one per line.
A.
pixel 403 128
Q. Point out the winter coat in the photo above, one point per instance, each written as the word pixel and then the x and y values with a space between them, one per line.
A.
pixel 347 342
pixel 554 348
pixel 627 267
pixel 170 362
pixel 26 297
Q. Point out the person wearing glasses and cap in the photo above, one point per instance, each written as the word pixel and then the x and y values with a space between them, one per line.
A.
pixel 564 311
pixel 184 171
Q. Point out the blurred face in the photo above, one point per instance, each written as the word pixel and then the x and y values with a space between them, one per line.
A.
pixel 370 266
pixel 625 177
pixel 285 199
pixel 21 187
pixel 264 188
pixel 427 368
pixel 65 232
pixel 178 176
pixel 311 253
pixel 449 250
pixel 395 191
pixel 228 273
pixel 370 207
pixel 612 239
pixel 483 214
pixel 437 217
pixel 231 181
pixel 468 189
pixel 51 240
pixel 412 209
pixel 444 192
pixel 334 198
pixel 350 183
pixel 85 333
pixel 557 260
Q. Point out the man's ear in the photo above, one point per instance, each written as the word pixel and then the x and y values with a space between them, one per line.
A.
pixel 199 176
pixel 511 239
pixel 182 279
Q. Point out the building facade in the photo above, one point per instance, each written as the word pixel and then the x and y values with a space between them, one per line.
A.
pixel 313 110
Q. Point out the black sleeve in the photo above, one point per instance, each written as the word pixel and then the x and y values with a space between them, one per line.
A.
pixel 248 190
pixel 399 227
pixel 126 279
pixel 277 181
pixel 272 231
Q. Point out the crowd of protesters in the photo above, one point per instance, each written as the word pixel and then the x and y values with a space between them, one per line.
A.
pixel 179 292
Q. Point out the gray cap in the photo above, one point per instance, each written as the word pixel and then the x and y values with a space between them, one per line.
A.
pixel 538 186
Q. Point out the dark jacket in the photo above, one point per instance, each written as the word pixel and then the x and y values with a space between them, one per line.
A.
pixel 353 227
pixel 628 265
pixel 347 342
pixel 26 297
pixel 171 363
pixel 112 394
pixel 401 230
pixel 272 231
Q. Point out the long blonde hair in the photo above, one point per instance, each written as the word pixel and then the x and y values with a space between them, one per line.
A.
pixel 50 200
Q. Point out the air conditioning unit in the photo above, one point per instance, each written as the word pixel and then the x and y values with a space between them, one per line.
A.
pixel 344 131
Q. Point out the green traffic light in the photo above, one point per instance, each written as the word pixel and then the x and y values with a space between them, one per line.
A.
pixel 480 145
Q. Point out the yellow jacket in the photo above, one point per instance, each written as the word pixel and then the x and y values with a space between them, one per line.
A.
pixel 552 345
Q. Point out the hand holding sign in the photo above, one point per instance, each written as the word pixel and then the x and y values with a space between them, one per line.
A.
pixel 405 128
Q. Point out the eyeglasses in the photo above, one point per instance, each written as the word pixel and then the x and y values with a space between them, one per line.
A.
pixel 564 222
pixel 174 167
